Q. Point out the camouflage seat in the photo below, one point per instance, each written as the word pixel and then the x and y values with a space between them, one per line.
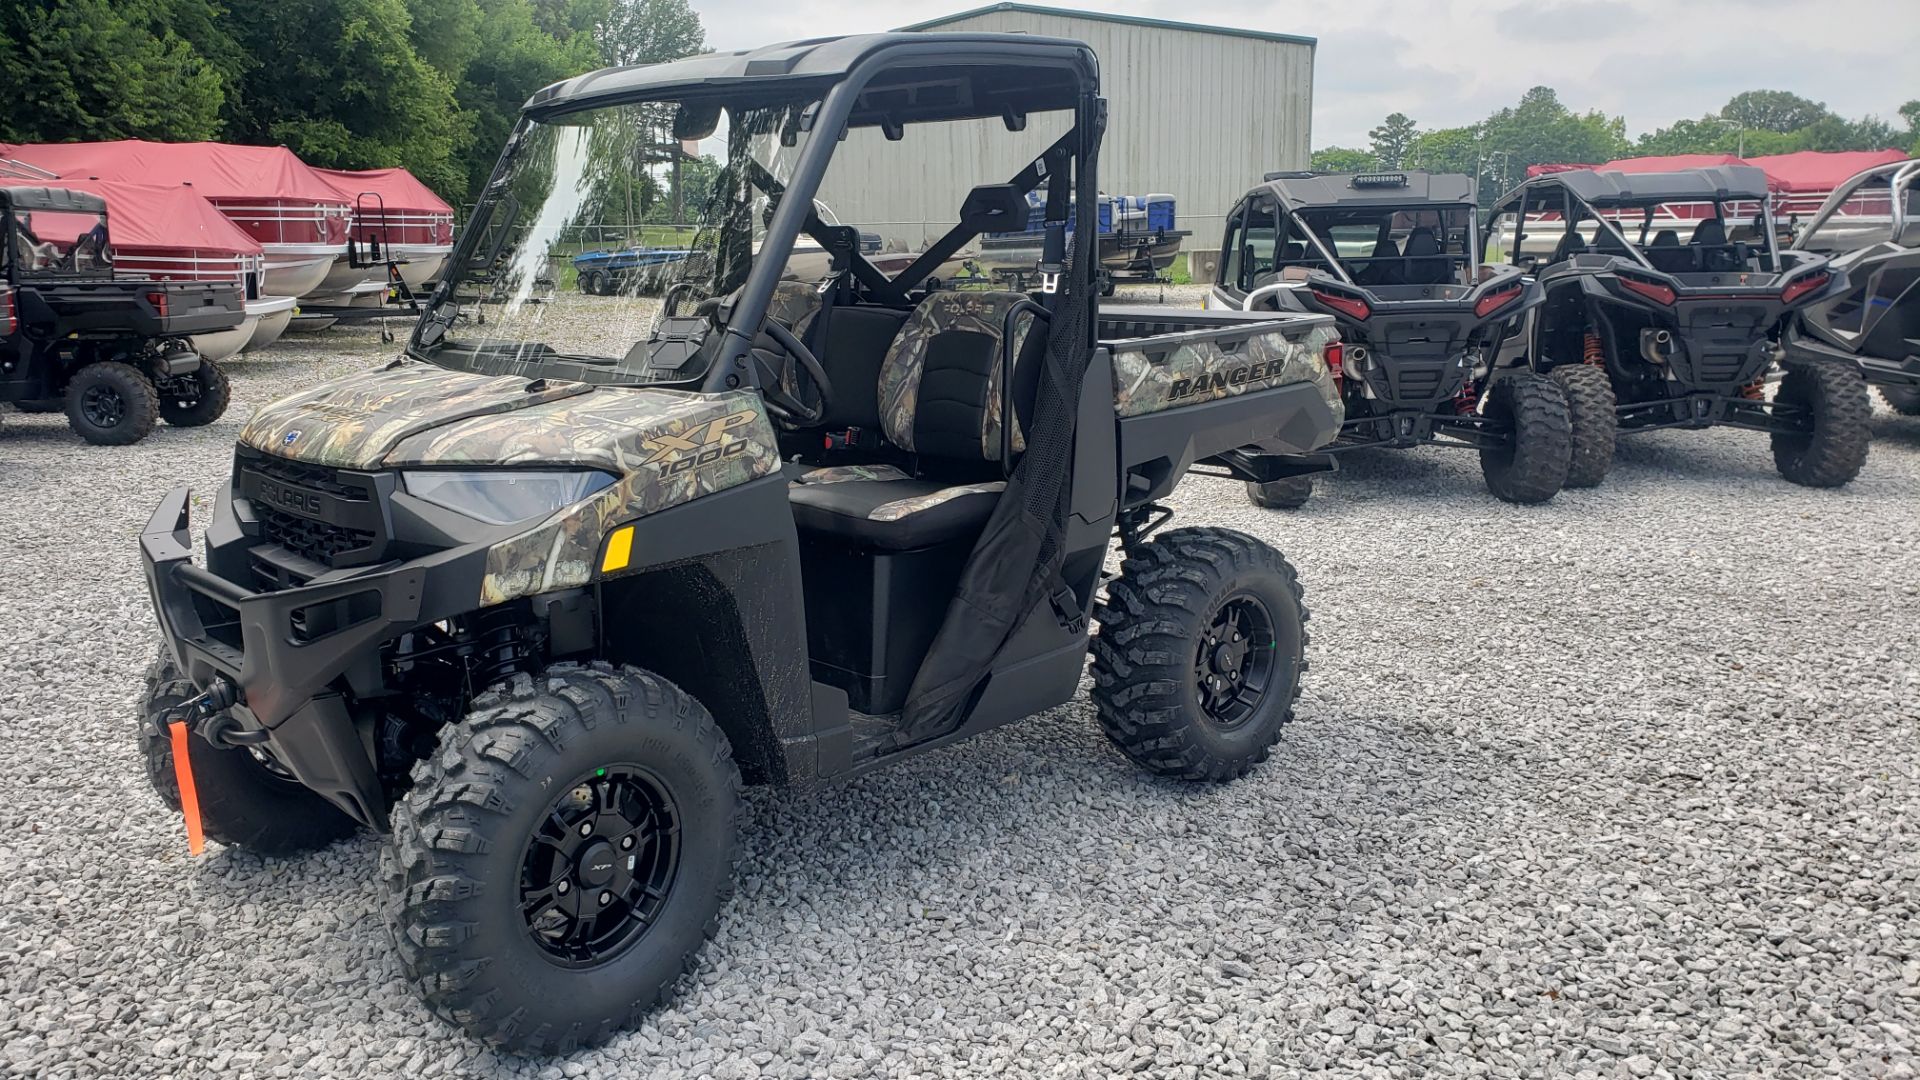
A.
pixel 940 397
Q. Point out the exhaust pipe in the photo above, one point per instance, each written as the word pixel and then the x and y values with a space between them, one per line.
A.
pixel 1656 345
pixel 1355 357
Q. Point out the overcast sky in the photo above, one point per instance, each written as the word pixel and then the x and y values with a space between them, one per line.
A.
pixel 1451 62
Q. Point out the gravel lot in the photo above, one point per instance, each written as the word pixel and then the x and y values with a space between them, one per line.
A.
pixel 1628 785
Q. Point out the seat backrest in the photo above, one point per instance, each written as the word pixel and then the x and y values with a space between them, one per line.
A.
pixel 1666 254
pixel 940 385
pixel 794 305
pixel 1606 243
pixel 1425 264
pixel 1570 245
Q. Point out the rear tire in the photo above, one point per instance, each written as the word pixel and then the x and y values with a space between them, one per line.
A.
pixel 1532 466
pixel 481 847
pixel 1835 450
pixel 243 802
pixel 1904 400
pixel 111 404
pixel 1175 693
pixel 1591 406
pixel 1291 493
pixel 206 404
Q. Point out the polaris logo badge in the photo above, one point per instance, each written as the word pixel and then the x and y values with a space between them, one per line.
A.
pixel 1223 380
pixel 291 438
pixel 294 499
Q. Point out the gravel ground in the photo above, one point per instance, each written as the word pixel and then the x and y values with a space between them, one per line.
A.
pixel 1622 786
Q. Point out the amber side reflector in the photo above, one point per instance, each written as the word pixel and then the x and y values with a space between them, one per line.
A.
pixel 619 550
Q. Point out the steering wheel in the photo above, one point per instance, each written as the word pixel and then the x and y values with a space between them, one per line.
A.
pixel 787 405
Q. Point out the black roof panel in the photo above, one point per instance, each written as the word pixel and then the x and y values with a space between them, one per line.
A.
pixel 55 199
pixel 1300 191
pixel 1613 188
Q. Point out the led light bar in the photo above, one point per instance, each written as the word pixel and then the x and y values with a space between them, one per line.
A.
pixel 1380 179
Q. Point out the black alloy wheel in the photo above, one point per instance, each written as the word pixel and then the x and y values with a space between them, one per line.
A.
pixel 1234 662
pixel 600 866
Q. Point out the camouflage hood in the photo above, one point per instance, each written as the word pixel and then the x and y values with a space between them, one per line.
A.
pixel 355 421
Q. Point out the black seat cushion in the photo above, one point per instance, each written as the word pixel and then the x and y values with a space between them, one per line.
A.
pixel 894 514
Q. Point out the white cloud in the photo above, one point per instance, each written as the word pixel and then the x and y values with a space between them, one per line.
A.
pixel 1451 62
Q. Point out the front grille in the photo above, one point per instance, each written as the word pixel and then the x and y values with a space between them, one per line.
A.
pixel 317 540
pixel 317 477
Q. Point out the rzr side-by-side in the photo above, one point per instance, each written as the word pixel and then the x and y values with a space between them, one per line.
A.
pixel 1393 258
pixel 113 353
pixel 541 594
pixel 1870 229
pixel 1666 299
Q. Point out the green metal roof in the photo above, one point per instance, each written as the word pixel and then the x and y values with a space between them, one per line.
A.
pixel 1101 16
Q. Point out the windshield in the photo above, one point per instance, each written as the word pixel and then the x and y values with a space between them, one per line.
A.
pixel 59 243
pixel 603 222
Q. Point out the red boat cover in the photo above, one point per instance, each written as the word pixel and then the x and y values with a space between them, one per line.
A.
pixel 146 216
pixel 398 189
pixel 1814 170
pixel 1669 163
pixel 213 170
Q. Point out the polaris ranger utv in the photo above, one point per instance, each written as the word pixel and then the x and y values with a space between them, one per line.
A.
pixel 1394 258
pixel 539 595
pixel 1658 315
pixel 1870 229
pixel 115 353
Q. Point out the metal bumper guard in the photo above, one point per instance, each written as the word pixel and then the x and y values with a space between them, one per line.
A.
pixel 285 680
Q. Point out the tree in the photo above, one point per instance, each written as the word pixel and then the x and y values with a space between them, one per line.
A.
pixel 516 57
pixel 648 31
pixel 446 33
pixel 111 69
pixel 1773 110
pixel 1341 159
pixel 1391 140
pixel 340 84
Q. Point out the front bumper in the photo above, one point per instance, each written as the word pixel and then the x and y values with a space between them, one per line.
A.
pixel 289 652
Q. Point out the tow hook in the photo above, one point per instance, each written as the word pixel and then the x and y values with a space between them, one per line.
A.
pixel 196 713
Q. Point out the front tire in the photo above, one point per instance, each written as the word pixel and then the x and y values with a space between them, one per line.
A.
pixel 1290 493
pixel 1834 449
pixel 1197 663
pixel 1904 400
pixel 111 404
pixel 1531 467
pixel 507 930
pixel 1593 410
pixel 244 802
pixel 200 398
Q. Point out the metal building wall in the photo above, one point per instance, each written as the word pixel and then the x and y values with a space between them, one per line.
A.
pixel 1201 115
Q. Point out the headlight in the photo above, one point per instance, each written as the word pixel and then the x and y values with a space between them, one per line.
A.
pixel 504 496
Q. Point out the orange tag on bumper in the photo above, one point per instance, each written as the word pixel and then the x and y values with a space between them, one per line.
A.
pixel 189 796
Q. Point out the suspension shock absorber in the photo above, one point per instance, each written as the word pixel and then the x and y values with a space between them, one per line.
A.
pixel 501 645
pixel 1593 351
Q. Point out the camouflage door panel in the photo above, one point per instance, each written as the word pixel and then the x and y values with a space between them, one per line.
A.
pixel 983 313
pixel 1158 373
pixel 353 421
pixel 666 448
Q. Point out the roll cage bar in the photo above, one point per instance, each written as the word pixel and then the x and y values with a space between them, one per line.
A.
pixel 1575 209
pixel 1900 176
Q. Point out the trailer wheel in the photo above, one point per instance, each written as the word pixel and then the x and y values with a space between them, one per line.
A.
pixel 563 855
pixel 1290 493
pixel 593 283
pixel 1592 407
pixel 1904 400
pixel 245 801
pixel 1198 660
pixel 1833 399
pixel 1532 466
pixel 198 399
pixel 111 404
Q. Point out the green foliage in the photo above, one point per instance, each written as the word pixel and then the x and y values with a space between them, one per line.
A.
pixel 1341 159
pixel 1774 110
pixel 346 88
pixel 1392 139
pixel 648 31
pixel 431 85
pixel 112 69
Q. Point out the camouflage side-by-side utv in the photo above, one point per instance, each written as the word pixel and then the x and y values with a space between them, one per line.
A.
pixel 542 593
pixel 1393 257
pixel 1666 300
pixel 1870 229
